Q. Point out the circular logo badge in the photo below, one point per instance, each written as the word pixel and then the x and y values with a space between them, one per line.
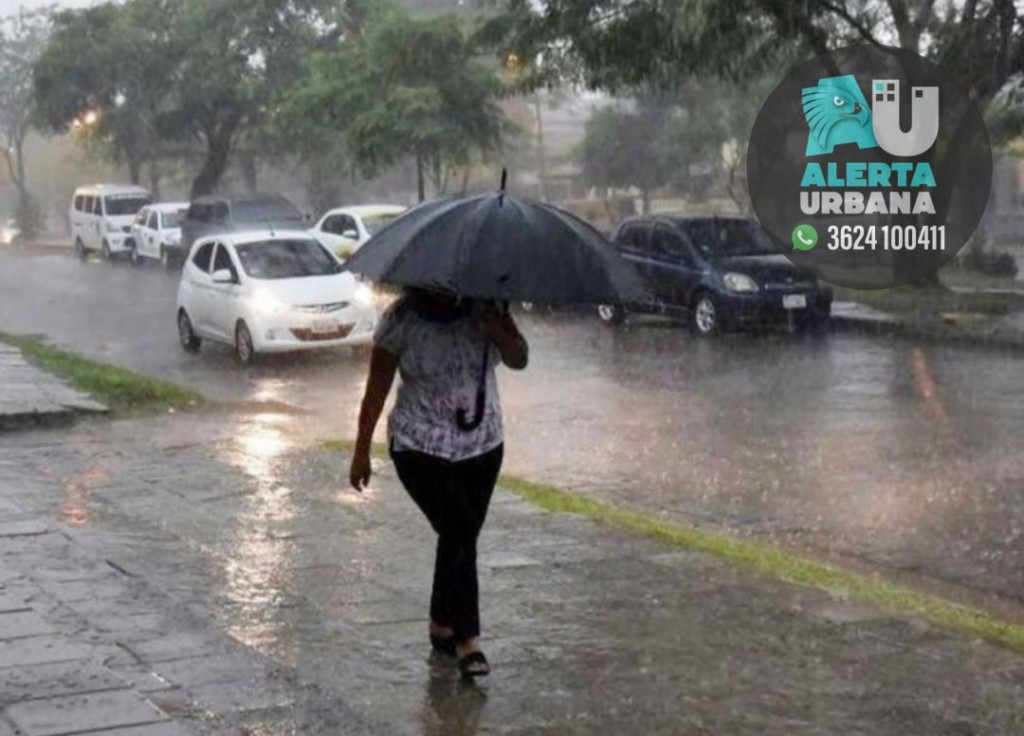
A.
pixel 870 166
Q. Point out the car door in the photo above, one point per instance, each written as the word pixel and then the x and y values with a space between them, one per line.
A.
pixel 152 234
pixel 91 221
pixel 325 233
pixel 77 216
pixel 198 283
pixel 344 233
pixel 224 312
pixel 634 241
pixel 674 270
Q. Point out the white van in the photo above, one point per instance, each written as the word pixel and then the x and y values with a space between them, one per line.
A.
pixel 101 217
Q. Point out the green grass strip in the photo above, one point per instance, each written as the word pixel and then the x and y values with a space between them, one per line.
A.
pixel 123 391
pixel 764 559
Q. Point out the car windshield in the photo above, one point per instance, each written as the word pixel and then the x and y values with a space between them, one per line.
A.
pixel 729 237
pixel 172 219
pixel 374 223
pixel 285 259
pixel 127 205
pixel 266 210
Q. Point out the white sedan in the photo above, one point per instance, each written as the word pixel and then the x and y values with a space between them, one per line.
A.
pixel 156 233
pixel 344 229
pixel 270 292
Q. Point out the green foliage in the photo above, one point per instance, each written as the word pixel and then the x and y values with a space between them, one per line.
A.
pixel 621 148
pixel 622 44
pixel 124 391
pixel 405 89
pixel 174 73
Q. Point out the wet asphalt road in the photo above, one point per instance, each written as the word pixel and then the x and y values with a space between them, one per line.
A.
pixel 877 450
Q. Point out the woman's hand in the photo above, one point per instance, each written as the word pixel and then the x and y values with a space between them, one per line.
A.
pixel 360 470
pixel 498 326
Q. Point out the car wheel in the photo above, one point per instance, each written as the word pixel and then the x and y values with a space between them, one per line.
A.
pixel 80 250
pixel 244 350
pixel 186 335
pixel 105 251
pixel 611 314
pixel 705 318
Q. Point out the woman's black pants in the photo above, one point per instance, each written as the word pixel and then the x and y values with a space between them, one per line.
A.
pixel 454 496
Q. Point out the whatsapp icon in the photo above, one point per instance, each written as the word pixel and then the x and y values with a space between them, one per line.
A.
pixel 805 237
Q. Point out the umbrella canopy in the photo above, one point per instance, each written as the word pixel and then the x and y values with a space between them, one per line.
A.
pixel 496 246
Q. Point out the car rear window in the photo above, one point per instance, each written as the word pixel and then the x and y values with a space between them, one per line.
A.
pixel 285 259
pixel 127 205
pixel 268 210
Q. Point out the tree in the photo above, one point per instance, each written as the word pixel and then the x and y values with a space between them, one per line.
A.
pixel 22 38
pixel 171 73
pixel 614 44
pixel 406 89
pixel 621 148
pixel 103 74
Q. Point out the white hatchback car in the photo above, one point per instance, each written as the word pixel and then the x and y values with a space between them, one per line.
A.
pixel 344 229
pixel 156 233
pixel 271 292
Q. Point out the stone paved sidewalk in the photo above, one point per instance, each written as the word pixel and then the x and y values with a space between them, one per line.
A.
pixel 226 574
pixel 29 396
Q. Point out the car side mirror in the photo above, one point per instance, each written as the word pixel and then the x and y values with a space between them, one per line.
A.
pixel 223 276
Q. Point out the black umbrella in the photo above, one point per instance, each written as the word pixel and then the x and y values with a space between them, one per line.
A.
pixel 496 246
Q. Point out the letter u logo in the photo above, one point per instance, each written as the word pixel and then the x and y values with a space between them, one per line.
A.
pixel 885 118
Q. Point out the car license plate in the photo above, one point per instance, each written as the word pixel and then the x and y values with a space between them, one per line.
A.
pixel 794 301
pixel 322 326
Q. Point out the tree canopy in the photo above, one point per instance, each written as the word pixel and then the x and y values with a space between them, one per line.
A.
pixel 406 88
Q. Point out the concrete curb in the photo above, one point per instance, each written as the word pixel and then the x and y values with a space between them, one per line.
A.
pixel 892 326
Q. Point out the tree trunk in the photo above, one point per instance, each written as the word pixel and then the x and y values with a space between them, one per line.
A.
pixel 218 153
pixel 134 170
pixel 154 180
pixel 420 184
pixel 542 168
pixel 250 171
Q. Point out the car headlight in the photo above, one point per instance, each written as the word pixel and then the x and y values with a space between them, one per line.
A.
pixel 266 303
pixel 364 295
pixel 739 282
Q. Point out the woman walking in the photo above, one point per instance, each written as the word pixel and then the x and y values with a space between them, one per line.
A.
pixel 445 438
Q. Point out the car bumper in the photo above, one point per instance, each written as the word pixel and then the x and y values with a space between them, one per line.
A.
pixel 751 309
pixel 350 327
pixel 119 242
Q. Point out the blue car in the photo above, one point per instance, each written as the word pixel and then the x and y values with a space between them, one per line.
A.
pixel 717 273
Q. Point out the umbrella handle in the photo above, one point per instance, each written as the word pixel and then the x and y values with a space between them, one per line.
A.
pixel 468 425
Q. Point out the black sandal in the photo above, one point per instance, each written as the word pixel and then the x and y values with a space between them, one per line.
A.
pixel 469 665
pixel 443 644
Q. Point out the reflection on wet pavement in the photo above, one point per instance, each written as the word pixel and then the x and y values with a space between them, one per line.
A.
pixel 899 454
pixel 259 540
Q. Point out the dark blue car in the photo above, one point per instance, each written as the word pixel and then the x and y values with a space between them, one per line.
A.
pixel 717 273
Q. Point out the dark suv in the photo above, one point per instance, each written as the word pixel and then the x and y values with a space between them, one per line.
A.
pixel 717 272
pixel 218 214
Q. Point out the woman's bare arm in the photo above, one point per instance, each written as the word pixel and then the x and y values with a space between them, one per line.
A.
pixel 378 385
